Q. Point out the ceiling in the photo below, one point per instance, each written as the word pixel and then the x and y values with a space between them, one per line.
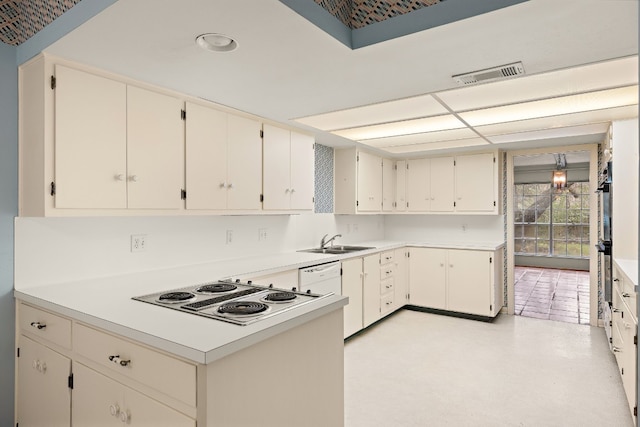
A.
pixel 287 68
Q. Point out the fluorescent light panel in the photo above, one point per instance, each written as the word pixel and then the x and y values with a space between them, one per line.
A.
pixel 592 129
pixel 392 111
pixel 603 75
pixel 551 107
pixel 421 138
pixel 460 143
pixel 406 127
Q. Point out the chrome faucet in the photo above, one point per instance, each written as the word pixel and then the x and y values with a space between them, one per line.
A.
pixel 324 243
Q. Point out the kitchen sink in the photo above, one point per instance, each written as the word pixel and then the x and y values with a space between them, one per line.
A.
pixel 337 249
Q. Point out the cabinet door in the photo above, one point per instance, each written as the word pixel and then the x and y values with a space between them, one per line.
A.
pixel 244 174
pixel 418 182
pixel 276 160
pixel 371 289
pixel 401 189
pixel 388 185
pixel 369 182
pixel 100 401
pixel 352 288
pixel 475 183
pixel 155 150
pixel 442 184
pixel 90 141
pixel 303 162
pixel 428 277
pixel 43 394
pixel 469 282
pixel 401 277
pixel 206 158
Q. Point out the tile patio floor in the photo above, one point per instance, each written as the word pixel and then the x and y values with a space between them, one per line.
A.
pixel 561 295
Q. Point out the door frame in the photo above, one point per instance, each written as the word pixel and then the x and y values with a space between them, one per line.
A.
pixel 593 223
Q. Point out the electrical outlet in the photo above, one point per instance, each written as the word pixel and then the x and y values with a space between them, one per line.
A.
pixel 138 242
pixel 229 236
pixel 464 228
pixel 355 228
pixel 262 234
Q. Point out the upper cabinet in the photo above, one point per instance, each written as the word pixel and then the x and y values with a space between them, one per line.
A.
pixel 92 143
pixel 358 182
pixel 289 160
pixel 445 185
pixel 223 160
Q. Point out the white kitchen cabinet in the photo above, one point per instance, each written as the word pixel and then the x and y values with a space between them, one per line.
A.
pixel 624 331
pixel 223 160
pixel 282 280
pixel 358 182
pixel 400 204
pixel 43 394
pixel 418 185
pixel 352 288
pixel 476 183
pixel 91 144
pixel 441 172
pixel 401 278
pixel 101 401
pixel 370 289
pixel 459 280
pixel 289 161
pixel 428 277
pixel 388 185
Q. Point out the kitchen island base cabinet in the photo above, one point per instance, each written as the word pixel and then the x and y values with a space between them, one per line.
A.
pixel 293 379
pixel 101 401
pixel 352 288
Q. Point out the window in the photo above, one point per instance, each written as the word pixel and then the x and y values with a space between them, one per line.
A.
pixel 551 222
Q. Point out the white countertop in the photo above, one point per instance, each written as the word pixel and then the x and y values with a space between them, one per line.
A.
pixel 106 302
pixel 630 269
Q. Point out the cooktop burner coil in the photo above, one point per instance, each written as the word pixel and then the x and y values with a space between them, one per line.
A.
pixel 280 297
pixel 176 297
pixel 242 308
pixel 214 288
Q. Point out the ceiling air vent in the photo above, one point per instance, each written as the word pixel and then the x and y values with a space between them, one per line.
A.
pixel 496 73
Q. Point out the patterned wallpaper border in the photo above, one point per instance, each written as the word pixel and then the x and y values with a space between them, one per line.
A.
pixel 360 13
pixel 21 19
pixel 324 179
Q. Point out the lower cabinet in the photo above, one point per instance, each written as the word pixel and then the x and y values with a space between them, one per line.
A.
pixel 352 288
pixel 101 401
pixel 370 289
pixel 624 332
pixel 43 394
pixel 464 281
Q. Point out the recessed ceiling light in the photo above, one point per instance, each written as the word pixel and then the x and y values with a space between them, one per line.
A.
pixel 216 42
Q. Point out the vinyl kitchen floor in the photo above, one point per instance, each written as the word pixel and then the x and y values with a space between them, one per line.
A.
pixel 552 294
pixel 428 370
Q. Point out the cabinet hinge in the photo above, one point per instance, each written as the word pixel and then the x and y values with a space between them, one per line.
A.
pixel 357 203
pixel 183 114
pixel 490 260
pixel 610 340
pixel 454 204
pixel 494 160
pixel 490 307
pixel 621 371
pixel 408 254
pixel 407 165
pixel 18 352
pixel 262 198
pixel 635 411
pixel 53 82
pixel 341 272
pixel 454 163
pixel 183 194
pixel 635 340
pixel 53 189
pixel 313 200
pixel 313 147
pixel 357 157
pixel 262 134
pixel 70 381
pixel 494 203
pixel 395 167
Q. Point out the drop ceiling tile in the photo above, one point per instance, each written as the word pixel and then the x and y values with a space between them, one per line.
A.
pixel 421 138
pixel 564 120
pixel 555 106
pixel 592 129
pixel 602 75
pixel 401 109
pixel 415 148
pixel 429 124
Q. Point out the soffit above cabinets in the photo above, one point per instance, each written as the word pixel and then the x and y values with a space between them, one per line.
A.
pixel 567 103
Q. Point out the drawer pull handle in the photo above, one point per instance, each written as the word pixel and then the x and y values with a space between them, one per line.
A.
pixel 39 366
pixel 388 303
pixel 616 310
pixel 116 359
pixel 124 417
pixel 38 325
pixel 114 410
pixel 616 280
pixel 616 349
pixel 625 295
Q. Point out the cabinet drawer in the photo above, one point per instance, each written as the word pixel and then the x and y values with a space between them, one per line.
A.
pixel 170 376
pixel 386 304
pixel 387 257
pixel 387 271
pixel 45 325
pixel 386 286
pixel 618 345
pixel 626 291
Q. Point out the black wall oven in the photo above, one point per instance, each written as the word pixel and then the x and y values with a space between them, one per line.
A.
pixel 605 242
